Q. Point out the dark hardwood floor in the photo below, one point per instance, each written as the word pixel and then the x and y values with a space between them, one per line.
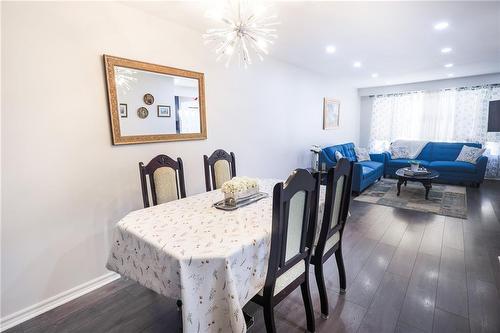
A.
pixel 406 272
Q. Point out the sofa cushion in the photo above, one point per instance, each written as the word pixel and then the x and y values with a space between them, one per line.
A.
pixel 452 166
pixel 470 154
pixel 330 152
pixel 426 153
pixel 372 164
pixel 444 151
pixel 362 154
pixel 367 171
pixel 348 151
pixel 403 163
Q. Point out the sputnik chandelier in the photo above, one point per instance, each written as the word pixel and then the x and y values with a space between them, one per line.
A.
pixel 247 30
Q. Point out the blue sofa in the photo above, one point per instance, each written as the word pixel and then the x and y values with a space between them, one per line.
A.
pixel 441 156
pixel 364 173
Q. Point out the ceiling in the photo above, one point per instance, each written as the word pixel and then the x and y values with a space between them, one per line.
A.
pixel 396 40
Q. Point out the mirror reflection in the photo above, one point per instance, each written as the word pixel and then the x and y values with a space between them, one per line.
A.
pixel 153 103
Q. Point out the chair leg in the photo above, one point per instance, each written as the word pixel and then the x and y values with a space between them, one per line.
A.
pixel 320 281
pixel 341 269
pixel 306 297
pixel 269 318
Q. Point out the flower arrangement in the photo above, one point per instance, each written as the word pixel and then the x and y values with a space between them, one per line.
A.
pixel 239 185
pixel 239 188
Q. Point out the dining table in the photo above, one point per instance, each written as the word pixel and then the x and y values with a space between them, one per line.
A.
pixel 213 261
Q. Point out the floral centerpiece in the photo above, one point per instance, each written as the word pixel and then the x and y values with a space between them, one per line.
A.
pixel 239 188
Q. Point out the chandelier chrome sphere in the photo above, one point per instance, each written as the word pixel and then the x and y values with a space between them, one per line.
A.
pixel 248 30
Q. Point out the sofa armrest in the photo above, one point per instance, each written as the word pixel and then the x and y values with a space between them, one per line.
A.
pixel 378 157
pixel 481 167
pixel 387 156
pixel 357 175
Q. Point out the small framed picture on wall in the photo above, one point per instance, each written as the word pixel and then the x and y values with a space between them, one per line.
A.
pixel 123 110
pixel 163 111
pixel 331 113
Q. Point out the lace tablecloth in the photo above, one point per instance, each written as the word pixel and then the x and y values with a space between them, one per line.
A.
pixel 214 261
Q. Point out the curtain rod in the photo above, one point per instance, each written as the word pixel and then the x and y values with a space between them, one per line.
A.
pixel 493 85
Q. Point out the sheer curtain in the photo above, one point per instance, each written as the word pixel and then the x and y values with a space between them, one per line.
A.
pixel 446 115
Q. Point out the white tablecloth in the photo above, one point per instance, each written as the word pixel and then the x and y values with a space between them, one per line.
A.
pixel 212 260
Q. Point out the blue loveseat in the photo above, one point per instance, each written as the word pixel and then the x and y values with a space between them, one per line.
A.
pixel 441 156
pixel 364 173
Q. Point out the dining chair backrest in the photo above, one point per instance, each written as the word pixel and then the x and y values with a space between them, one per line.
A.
pixel 337 200
pixel 166 180
pixel 290 245
pixel 219 168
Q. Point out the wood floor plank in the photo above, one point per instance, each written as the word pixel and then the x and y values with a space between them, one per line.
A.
pixel 419 303
pixel 378 229
pixel 367 281
pixel 395 232
pixel 452 284
pixel 404 258
pixel 453 233
pixel 383 313
pixel 484 306
pixel 445 322
pixel 433 236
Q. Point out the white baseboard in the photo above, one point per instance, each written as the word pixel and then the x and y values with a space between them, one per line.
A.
pixel 32 311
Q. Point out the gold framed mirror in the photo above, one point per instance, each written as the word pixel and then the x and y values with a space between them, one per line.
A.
pixel 154 103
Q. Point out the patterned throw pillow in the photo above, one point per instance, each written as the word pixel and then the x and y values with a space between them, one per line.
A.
pixel 399 152
pixel 338 155
pixel 362 154
pixel 470 154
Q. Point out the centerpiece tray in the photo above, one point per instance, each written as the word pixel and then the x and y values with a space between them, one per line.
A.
pixel 224 204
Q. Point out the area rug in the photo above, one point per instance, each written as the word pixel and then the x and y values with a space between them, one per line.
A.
pixel 444 199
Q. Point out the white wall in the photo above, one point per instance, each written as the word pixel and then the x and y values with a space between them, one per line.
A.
pixel 64 185
pixel 366 101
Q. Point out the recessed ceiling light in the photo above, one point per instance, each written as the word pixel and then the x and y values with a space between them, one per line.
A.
pixel 357 64
pixel 374 75
pixel 451 75
pixel 448 65
pixel 330 49
pixel 446 50
pixel 441 25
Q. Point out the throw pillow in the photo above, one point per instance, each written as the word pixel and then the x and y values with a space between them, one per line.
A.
pixel 399 152
pixel 362 154
pixel 470 154
pixel 338 155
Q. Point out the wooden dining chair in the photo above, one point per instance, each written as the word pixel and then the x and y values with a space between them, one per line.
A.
pixel 329 240
pixel 166 180
pixel 219 168
pixel 288 266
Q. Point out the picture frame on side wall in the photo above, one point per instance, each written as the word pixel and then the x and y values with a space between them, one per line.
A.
pixel 123 110
pixel 163 111
pixel 331 113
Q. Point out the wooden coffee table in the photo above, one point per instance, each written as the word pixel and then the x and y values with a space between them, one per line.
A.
pixel 425 179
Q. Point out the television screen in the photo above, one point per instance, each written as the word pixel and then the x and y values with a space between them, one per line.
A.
pixel 494 116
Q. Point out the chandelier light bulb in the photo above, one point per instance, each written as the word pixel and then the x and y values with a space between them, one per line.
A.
pixel 247 31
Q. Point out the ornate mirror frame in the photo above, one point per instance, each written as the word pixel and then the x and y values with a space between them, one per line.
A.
pixel 110 62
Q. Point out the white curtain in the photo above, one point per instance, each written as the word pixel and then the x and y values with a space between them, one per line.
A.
pixel 446 115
